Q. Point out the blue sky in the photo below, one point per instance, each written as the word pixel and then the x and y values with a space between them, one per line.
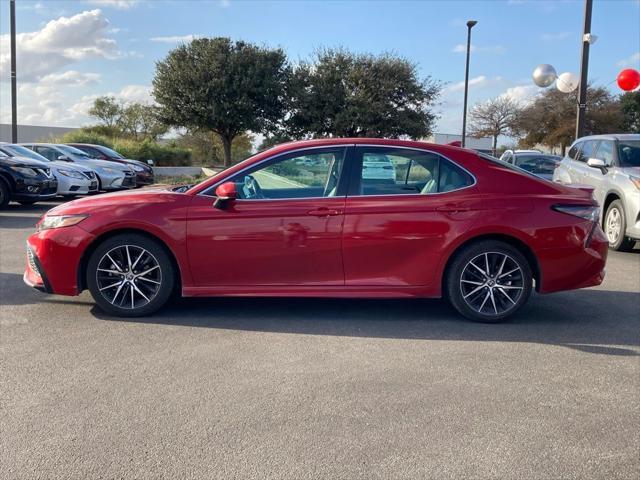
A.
pixel 72 51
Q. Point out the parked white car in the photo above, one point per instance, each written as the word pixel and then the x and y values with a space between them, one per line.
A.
pixel 378 168
pixel 611 165
pixel 72 179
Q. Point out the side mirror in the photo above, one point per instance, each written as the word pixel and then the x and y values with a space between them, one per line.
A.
pixel 64 158
pixel 150 162
pixel 226 192
pixel 597 163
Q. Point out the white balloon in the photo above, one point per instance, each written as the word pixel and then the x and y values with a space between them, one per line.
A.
pixel 544 75
pixel 567 82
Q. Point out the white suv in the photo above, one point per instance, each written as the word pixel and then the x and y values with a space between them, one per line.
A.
pixel 611 165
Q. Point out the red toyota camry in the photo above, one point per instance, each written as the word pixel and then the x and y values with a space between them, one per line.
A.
pixel 329 218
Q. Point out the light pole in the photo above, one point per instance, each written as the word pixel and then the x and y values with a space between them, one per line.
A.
pixel 584 69
pixel 470 25
pixel 14 86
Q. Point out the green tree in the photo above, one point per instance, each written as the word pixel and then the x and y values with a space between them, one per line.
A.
pixel 141 121
pixel 351 95
pixel 208 149
pixel 630 107
pixel 215 84
pixel 551 119
pixel 106 109
pixel 493 118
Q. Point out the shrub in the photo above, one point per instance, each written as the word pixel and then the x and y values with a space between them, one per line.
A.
pixel 87 136
pixel 162 155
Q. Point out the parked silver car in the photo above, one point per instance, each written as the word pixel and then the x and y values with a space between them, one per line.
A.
pixel 533 161
pixel 611 165
pixel 111 175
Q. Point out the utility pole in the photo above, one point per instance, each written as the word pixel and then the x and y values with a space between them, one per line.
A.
pixel 14 84
pixel 584 70
pixel 470 25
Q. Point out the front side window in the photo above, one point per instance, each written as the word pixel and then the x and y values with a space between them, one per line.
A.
pixel 573 151
pixel 605 152
pixel 48 153
pixel 588 150
pixel 390 171
pixel 307 174
pixel 629 153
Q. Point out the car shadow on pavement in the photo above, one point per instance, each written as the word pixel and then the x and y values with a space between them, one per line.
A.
pixel 24 216
pixel 593 321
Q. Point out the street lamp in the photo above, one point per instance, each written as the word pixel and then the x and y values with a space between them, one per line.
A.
pixel 14 87
pixel 470 25
pixel 587 39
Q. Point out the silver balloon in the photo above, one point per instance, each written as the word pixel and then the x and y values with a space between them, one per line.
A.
pixel 544 75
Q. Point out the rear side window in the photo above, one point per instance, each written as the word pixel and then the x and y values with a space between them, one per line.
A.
pixel 452 177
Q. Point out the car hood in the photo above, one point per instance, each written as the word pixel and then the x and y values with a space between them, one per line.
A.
pixel 633 171
pixel 109 201
pixel 136 162
pixel 94 162
pixel 24 162
pixel 76 167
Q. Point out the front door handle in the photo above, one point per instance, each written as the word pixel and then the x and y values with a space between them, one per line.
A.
pixel 323 212
pixel 453 208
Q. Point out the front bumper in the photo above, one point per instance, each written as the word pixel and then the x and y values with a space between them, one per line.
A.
pixel 53 257
pixel 28 190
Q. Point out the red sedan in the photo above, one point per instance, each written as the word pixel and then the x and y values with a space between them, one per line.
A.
pixel 329 218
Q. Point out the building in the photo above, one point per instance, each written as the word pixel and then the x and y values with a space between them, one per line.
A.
pixel 483 144
pixel 33 133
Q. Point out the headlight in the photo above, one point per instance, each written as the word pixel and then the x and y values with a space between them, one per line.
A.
pixel 58 221
pixel 138 168
pixel 71 173
pixel 28 172
pixel 635 181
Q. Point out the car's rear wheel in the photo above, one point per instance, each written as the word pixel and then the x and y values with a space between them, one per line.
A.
pixel 615 227
pixel 130 275
pixel 489 281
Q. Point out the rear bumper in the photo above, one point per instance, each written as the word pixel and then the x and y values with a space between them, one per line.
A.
pixel 575 266
pixel 144 178
pixel 53 257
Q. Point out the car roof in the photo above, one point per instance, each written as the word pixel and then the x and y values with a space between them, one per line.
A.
pixel 611 136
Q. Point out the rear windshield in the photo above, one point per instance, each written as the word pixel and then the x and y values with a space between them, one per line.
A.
pixel 538 164
pixel 629 153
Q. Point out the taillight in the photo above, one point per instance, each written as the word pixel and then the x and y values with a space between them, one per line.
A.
pixel 588 212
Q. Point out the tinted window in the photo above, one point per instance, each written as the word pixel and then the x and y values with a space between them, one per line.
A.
pixel 20 151
pixel 308 174
pixel 605 151
pixel 47 152
pixel 629 153
pixel 389 171
pixel 538 164
pixel 573 151
pixel 588 150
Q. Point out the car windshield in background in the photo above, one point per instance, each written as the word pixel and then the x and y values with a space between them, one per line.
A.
pixel 73 151
pixel 110 152
pixel 21 151
pixel 537 164
pixel 629 153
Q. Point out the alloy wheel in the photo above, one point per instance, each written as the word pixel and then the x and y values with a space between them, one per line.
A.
pixel 492 283
pixel 128 276
pixel 613 225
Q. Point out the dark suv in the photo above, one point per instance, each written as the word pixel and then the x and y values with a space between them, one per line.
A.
pixel 25 181
pixel 144 173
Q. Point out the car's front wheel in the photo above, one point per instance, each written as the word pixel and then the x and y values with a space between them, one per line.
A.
pixel 488 281
pixel 615 226
pixel 130 275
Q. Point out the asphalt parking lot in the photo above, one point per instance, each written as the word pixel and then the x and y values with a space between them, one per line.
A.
pixel 279 388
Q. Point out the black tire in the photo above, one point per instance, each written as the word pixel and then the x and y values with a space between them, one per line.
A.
pixel 135 243
pixel 5 194
pixel 27 203
pixel 497 286
pixel 621 243
pixel 68 198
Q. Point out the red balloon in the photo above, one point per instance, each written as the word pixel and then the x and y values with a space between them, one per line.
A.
pixel 628 79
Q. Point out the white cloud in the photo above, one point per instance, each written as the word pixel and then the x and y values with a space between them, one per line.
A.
pixel 522 94
pixel 60 42
pixel 71 77
pixel 225 3
pixel 175 39
pixel 552 37
pixel 495 49
pixel 119 4
pixel 480 81
pixel 631 61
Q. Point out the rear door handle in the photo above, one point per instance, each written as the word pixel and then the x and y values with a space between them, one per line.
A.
pixel 323 212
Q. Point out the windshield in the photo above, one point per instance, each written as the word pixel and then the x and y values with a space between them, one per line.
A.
pixel 73 151
pixel 538 164
pixel 629 153
pixel 20 151
pixel 110 152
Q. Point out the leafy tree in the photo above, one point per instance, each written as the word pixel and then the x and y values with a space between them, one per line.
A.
pixel 207 146
pixel 630 106
pixel 493 118
pixel 215 84
pixel 551 119
pixel 141 121
pixel 351 95
pixel 106 109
